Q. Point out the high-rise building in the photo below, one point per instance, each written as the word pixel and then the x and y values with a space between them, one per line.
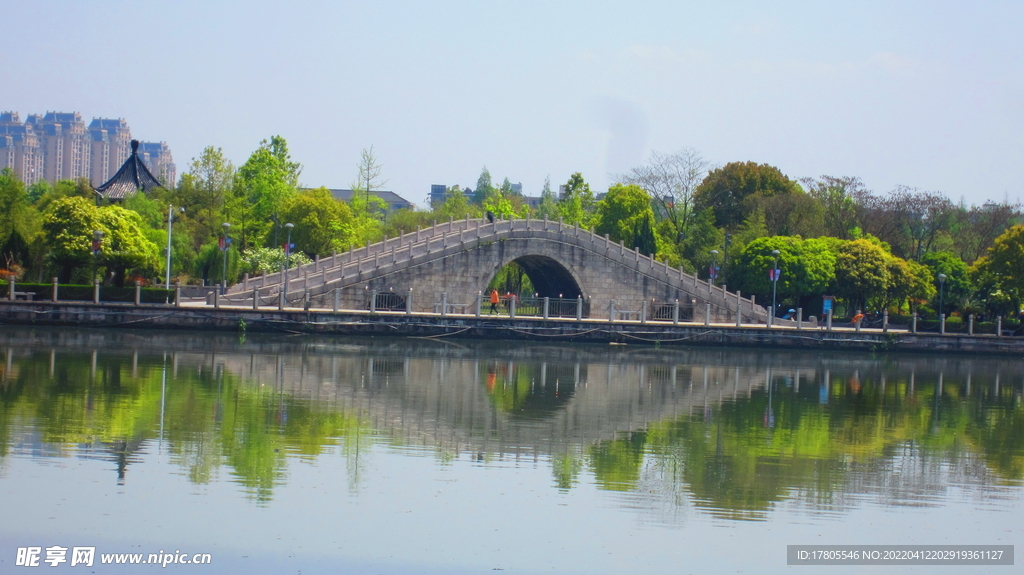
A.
pixel 64 143
pixel 110 140
pixel 59 146
pixel 19 148
pixel 157 156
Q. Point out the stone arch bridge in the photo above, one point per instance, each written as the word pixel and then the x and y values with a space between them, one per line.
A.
pixel 456 260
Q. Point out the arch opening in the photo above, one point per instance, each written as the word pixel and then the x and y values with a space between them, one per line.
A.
pixel 549 277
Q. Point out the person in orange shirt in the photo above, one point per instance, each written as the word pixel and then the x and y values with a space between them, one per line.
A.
pixel 494 301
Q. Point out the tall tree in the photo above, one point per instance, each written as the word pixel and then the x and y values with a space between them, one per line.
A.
pixel 292 170
pixel 125 246
pixel 907 219
pixel 576 205
pixel 263 186
pixel 204 190
pixel 484 187
pixel 69 224
pixel 322 224
pixel 671 180
pixel 456 205
pixel 974 229
pixel 732 190
pixel 862 272
pixel 838 197
pixel 548 201
pixel 18 217
pixel 625 214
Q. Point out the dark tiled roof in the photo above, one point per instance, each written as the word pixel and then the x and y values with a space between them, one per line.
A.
pixel 132 177
pixel 390 197
pixel 107 123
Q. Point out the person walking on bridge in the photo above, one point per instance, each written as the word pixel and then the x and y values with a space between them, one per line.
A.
pixel 495 298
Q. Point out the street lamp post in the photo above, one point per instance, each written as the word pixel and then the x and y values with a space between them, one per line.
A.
pixel 288 247
pixel 725 255
pixel 170 220
pixel 224 248
pixel 97 247
pixel 775 281
pixel 942 285
pixel 714 266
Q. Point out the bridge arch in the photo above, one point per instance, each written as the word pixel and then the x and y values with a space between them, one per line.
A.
pixel 550 277
pixel 457 259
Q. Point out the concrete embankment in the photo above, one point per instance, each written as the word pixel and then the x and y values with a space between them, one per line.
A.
pixel 392 324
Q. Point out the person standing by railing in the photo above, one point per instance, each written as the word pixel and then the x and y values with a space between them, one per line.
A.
pixel 495 298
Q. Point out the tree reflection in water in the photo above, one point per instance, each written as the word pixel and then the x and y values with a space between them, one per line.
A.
pixel 732 432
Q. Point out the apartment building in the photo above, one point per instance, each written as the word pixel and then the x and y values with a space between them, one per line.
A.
pixel 60 146
pixel 19 148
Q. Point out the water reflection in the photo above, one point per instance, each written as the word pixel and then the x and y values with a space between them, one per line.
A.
pixel 732 433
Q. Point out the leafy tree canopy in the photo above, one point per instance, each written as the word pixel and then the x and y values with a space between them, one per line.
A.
pixel 322 223
pixel 728 188
pixel 625 214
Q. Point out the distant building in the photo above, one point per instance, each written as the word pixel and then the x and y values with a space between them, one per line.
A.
pixel 59 146
pixel 19 148
pixel 157 155
pixel 110 140
pixel 533 202
pixel 438 193
pixel 65 145
pixel 393 200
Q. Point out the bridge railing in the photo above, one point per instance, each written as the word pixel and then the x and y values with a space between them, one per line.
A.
pixel 438 239
pixel 356 253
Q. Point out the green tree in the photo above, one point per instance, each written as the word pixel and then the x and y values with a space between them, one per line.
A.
pixel 262 187
pixel 456 205
pixel 792 214
pixel 733 190
pixel 838 198
pixel 808 268
pixel 625 214
pixel 958 289
pixel 1000 272
pixel 20 222
pixel 672 180
pixel 862 272
pixel 577 203
pixel 702 237
pixel 68 225
pixel 279 148
pixel 406 220
pixel 368 180
pixel 909 282
pixel 125 246
pixel 484 187
pixel 322 224
pixel 204 190
pixel 39 189
pixel 548 202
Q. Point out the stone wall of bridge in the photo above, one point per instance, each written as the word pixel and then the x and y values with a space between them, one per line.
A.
pixel 557 269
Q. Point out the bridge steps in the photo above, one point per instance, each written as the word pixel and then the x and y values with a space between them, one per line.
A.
pixel 443 240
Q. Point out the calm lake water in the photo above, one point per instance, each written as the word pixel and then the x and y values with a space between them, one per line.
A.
pixel 297 454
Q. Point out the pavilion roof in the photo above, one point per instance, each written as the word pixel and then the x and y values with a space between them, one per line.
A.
pixel 132 177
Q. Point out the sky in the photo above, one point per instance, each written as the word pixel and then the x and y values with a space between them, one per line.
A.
pixel 926 94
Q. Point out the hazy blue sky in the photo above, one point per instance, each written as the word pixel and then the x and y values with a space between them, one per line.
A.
pixel 925 94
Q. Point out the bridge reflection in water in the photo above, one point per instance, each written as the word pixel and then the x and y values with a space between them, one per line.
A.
pixel 732 432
